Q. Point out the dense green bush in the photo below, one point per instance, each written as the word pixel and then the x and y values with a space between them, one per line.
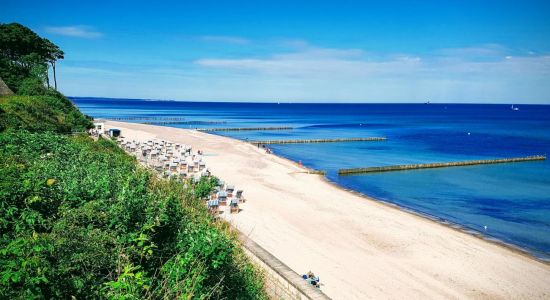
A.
pixel 50 112
pixel 81 218
pixel 205 186
pixel 32 87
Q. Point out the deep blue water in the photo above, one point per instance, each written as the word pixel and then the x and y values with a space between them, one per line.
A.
pixel 512 200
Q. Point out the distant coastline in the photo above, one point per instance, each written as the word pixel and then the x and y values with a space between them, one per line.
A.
pixel 304 102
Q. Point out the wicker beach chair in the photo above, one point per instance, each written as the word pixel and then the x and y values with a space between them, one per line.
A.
pixel 230 189
pixel 222 197
pixel 239 196
pixel 213 206
pixel 234 205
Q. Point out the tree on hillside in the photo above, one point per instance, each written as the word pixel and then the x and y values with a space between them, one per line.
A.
pixel 54 54
pixel 22 51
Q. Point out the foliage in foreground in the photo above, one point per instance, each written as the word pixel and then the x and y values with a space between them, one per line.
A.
pixel 81 218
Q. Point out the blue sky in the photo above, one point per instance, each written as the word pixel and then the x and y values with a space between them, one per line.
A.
pixel 300 51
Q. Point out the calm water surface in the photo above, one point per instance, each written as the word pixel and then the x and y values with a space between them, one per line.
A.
pixel 512 200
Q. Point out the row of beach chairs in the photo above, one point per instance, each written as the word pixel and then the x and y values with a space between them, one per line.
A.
pixel 168 159
pixel 224 195
pixel 173 159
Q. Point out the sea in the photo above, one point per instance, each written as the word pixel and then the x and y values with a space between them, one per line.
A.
pixel 506 203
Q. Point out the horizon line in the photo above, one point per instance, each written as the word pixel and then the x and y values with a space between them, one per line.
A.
pixel 300 102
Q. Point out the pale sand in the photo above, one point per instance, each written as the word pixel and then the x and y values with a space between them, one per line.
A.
pixel 359 247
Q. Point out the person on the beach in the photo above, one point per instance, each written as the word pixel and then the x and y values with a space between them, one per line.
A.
pixel 311 278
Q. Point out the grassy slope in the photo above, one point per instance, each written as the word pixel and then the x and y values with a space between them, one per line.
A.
pixel 81 218
pixel 53 113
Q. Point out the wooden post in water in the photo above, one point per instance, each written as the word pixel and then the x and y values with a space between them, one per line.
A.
pixel 147 118
pixel 245 129
pixel 182 122
pixel 369 139
pixel 439 165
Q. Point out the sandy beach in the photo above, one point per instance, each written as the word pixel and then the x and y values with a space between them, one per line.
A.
pixel 360 248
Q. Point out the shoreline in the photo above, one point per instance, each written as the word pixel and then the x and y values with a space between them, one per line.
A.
pixel 440 221
pixel 449 224
pixel 364 240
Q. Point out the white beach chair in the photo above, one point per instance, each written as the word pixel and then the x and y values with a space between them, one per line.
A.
pixel 173 167
pixel 234 206
pixel 222 197
pixel 230 189
pixel 213 206
pixel 239 196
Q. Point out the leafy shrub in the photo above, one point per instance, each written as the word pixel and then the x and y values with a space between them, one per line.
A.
pixel 205 186
pixel 81 218
pixel 32 86
pixel 52 112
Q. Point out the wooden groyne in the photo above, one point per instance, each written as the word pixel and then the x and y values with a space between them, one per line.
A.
pixel 316 172
pixel 369 139
pixel 182 122
pixel 147 118
pixel 245 129
pixel 439 165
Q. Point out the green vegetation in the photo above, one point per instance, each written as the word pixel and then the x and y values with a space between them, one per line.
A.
pixel 25 56
pixel 205 186
pixel 82 219
pixel 24 61
pixel 109 229
pixel 42 113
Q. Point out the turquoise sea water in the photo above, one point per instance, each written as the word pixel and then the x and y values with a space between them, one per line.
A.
pixel 512 200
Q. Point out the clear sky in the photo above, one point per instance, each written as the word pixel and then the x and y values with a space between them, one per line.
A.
pixel 300 51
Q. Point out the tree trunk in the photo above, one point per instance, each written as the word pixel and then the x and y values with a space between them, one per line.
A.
pixel 54 77
pixel 48 78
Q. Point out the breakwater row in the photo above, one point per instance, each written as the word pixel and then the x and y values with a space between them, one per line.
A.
pixel 182 122
pixel 369 139
pixel 245 129
pixel 147 118
pixel 439 165
pixel 316 172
